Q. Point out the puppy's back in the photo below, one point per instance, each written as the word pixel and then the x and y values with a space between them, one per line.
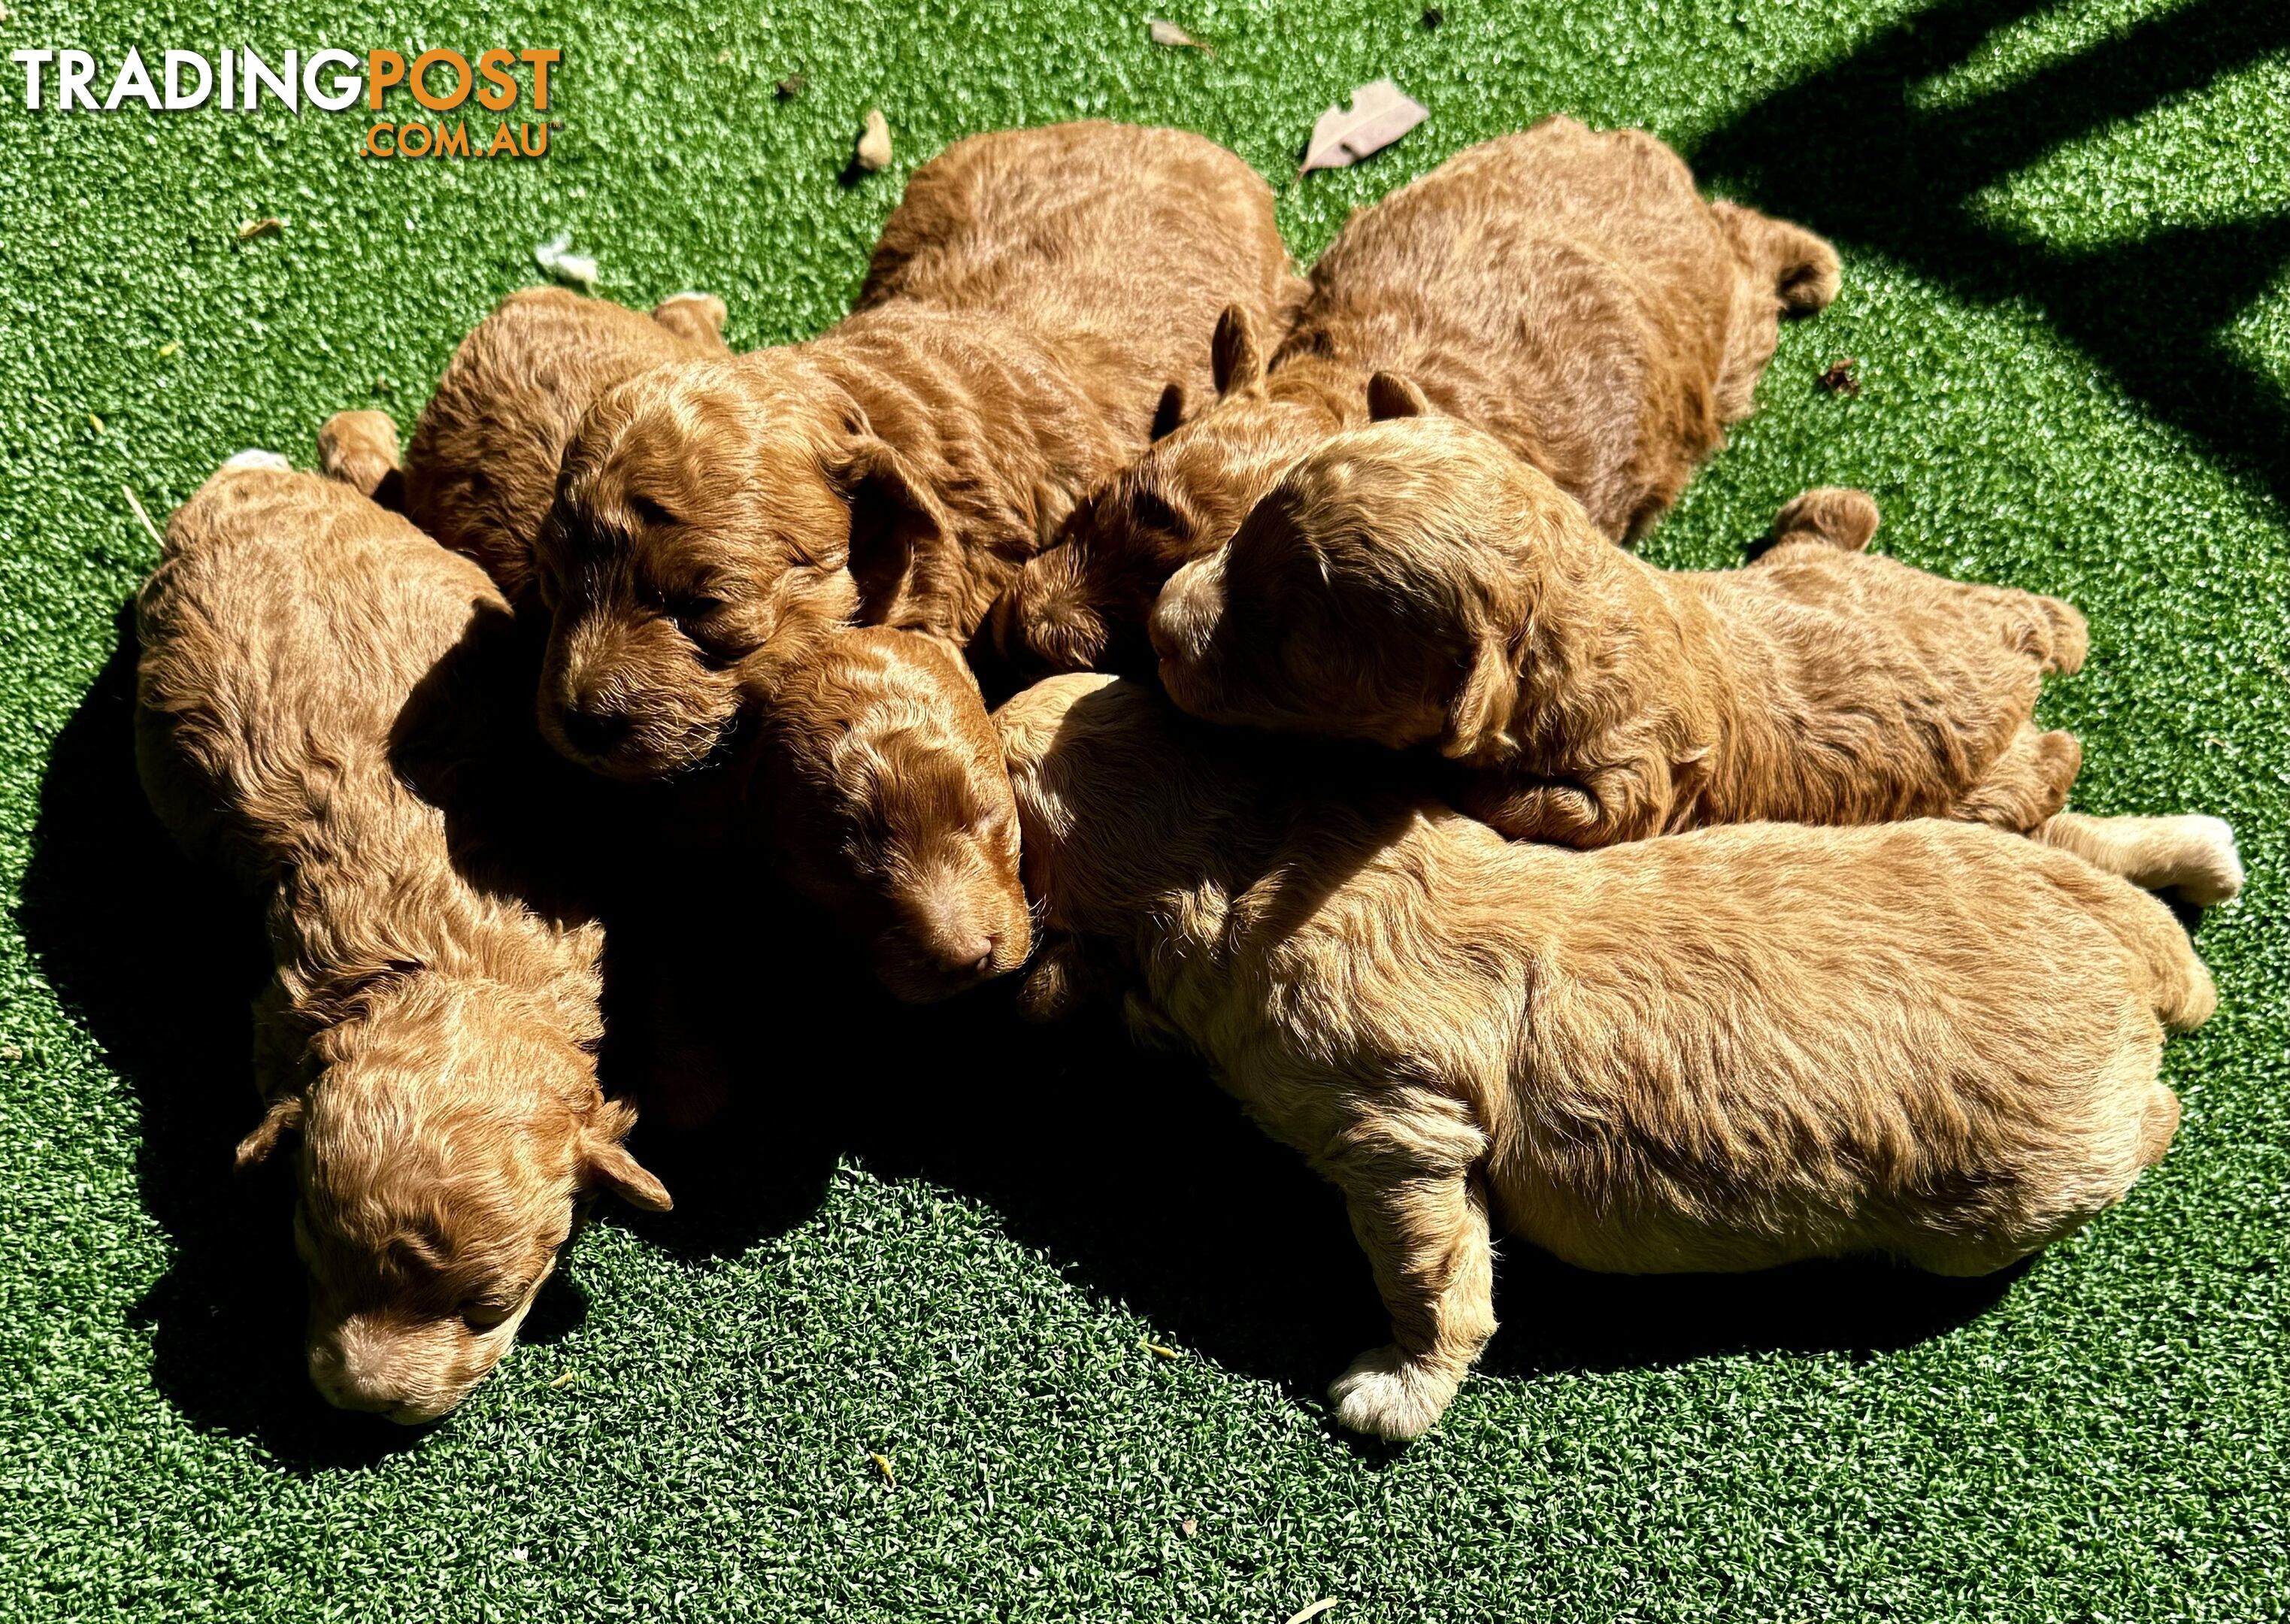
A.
pixel 286 627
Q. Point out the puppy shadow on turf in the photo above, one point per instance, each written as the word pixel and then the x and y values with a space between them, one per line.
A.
pixel 1125 1167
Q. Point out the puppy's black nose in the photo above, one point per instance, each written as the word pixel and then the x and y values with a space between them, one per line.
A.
pixel 594 732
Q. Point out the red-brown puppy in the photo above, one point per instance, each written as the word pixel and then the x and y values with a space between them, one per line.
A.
pixel 481 469
pixel 1566 289
pixel 1412 582
pixel 879 784
pixel 427 1038
pixel 1721 1051
pixel 1032 300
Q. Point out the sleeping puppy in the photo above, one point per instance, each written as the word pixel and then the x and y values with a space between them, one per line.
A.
pixel 1031 315
pixel 1566 289
pixel 482 467
pixel 429 1036
pixel 1721 1051
pixel 1412 582
pixel 879 784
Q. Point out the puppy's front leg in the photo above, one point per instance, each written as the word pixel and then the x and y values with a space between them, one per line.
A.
pixel 1423 1224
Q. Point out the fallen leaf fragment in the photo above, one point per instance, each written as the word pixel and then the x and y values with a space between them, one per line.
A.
pixel 1314 1610
pixel 883 1465
pixel 556 259
pixel 150 529
pixel 790 87
pixel 261 227
pixel 1839 380
pixel 874 150
pixel 1169 33
pixel 1381 113
pixel 564 1381
pixel 1155 1348
pixel 95 422
pixel 1188 1527
pixel 170 349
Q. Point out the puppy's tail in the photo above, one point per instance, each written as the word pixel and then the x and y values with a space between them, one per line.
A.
pixel 1840 519
pixel 1801 267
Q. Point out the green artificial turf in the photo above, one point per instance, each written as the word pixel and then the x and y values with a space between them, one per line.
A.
pixel 2066 233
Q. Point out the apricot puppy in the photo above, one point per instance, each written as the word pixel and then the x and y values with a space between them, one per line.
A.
pixel 1566 289
pixel 481 469
pixel 1033 309
pixel 1721 1051
pixel 1412 582
pixel 427 1036
pixel 881 785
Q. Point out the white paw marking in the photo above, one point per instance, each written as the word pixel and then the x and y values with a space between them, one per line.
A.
pixel 1390 1396
pixel 253 458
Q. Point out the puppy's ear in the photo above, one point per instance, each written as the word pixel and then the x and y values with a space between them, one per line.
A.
pixel 1390 395
pixel 1479 715
pixel 1236 358
pixel 898 532
pixel 283 1117
pixel 1169 411
pixel 607 1166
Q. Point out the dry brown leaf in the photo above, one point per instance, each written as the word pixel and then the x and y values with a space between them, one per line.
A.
pixel 883 1465
pixel 1381 113
pixel 790 87
pixel 261 227
pixel 1169 33
pixel 1188 1527
pixel 1839 380
pixel 1313 1612
pixel 565 1380
pixel 874 150
pixel 1155 1348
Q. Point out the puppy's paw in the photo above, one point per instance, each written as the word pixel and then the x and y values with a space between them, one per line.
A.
pixel 2205 869
pixel 1389 1395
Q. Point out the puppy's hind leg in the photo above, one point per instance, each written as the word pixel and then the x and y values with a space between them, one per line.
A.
pixel 1832 515
pixel 1421 1218
pixel 2027 784
pixel 2192 858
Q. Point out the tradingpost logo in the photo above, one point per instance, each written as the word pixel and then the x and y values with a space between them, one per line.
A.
pixel 505 86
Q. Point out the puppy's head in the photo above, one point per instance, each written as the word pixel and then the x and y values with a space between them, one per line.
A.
pixel 891 810
pixel 708 524
pixel 429 1217
pixel 1130 812
pixel 1083 603
pixel 1382 590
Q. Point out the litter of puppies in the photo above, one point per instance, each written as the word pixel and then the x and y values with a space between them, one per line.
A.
pixel 1668 921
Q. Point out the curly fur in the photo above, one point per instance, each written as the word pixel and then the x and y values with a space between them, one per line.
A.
pixel 1720 1050
pixel 1029 315
pixel 1412 582
pixel 429 1033
pixel 481 469
pixel 882 791
pixel 1563 288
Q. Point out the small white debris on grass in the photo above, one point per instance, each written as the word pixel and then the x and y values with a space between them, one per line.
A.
pixel 556 259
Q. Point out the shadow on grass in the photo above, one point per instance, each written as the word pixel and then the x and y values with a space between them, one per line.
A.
pixel 1847 152
pixel 1128 1170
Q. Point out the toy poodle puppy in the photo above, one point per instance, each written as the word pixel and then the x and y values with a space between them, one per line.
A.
pixel 427 1043
pixel 1566 289
pixel 1721 1051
